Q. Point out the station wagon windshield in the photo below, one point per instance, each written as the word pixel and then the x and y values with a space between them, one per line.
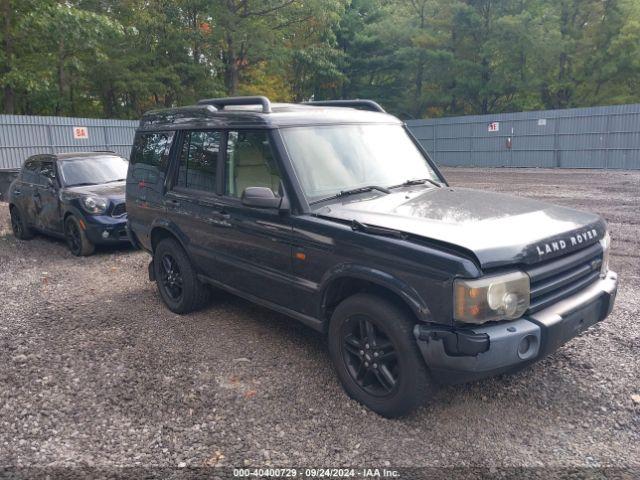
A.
pixel 332 159
pixel 93 171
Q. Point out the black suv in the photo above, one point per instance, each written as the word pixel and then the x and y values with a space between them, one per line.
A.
pixel 332 213
pixel 77 196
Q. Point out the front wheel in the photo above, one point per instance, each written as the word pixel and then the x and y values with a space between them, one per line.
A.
pixel 76 237
pixel 376 357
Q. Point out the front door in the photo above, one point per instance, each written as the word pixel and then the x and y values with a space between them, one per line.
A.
pixel 45 195
pixel 253 248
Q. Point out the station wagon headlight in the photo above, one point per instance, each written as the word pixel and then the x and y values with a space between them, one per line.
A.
pixel 497 297
pixel 94 205
pixel 605 242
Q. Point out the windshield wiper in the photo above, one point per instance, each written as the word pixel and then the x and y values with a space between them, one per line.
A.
pixel 116 180
pixel 82 184
pixel 418 181
pixel 352 191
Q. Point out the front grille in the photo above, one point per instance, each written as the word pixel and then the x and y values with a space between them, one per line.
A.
pixel 559 278
pixel 119 210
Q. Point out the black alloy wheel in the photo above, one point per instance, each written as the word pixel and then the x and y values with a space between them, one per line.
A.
pixel 376 356
pixel 370 357
pixel 74 238
pixel 171 278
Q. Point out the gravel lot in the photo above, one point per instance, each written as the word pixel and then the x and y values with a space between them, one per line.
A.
pixel 96 372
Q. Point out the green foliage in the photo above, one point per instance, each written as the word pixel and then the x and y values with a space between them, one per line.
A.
pixel 119 58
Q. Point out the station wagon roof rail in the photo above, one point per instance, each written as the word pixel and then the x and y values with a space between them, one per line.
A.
pixel 220 103
pixel 357 103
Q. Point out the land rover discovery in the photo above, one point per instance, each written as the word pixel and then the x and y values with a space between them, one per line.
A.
pixel 332 213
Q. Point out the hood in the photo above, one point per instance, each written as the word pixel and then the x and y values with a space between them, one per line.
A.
pixel 498 229
pixel 112 191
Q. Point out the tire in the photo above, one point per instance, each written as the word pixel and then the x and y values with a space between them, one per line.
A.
pixel 392 383
pixel 19 225
pixel 77 241
pixel 177 282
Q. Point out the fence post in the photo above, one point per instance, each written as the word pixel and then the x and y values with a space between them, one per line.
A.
pixel 556 141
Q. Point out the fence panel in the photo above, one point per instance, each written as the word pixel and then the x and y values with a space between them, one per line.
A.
pixel 22 136
pixel 594 137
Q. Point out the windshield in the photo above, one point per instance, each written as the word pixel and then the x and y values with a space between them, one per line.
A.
pixel 93 171
pixel 332 159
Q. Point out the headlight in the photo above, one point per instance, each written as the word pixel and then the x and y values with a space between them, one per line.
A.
pixel 605 242
pixel 94 205
pixel 499 297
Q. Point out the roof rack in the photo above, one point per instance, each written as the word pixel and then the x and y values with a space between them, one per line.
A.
pixel 362 104
pixel 220 103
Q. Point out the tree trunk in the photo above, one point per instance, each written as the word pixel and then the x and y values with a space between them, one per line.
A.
pixel 8 94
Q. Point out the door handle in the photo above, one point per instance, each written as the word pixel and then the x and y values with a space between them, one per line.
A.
pixel 17 192
pixel 221 215
pixel 172 203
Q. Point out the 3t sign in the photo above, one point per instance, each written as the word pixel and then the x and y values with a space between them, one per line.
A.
pixel 494 127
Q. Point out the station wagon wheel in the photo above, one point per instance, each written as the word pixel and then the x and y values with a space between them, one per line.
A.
pixel 177 279
pixel 371 358
pixel 376 355
pixel 171 277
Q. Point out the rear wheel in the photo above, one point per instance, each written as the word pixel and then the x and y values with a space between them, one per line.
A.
pixel 76 237
pixel 375 354
pixel 176 278
pixel 19 225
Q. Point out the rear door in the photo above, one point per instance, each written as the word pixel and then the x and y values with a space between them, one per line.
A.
pixel 47 203
pixel 192 200
pixel 24 191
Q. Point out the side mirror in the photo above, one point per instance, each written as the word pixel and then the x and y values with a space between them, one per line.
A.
pixel 260 197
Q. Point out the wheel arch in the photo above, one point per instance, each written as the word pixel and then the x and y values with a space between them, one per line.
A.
pixel 357 279
pixel 164 229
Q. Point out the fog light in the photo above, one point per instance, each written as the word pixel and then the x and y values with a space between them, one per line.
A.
pixel 105 234
pixel 528 347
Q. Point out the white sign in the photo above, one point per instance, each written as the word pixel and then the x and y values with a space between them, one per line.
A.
pixel 542 122
pixel 80 133
pixel 494 127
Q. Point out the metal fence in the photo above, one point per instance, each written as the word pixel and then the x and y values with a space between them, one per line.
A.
pixel 22 136
pixel 596 137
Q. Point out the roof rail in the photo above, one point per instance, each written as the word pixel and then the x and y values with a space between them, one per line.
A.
pixel 220 103
pixel 362 104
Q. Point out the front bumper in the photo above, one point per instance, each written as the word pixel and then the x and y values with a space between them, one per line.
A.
pixel 470 353
pixel 104 230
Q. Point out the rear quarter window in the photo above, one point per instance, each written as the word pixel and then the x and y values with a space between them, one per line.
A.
pixel 150 154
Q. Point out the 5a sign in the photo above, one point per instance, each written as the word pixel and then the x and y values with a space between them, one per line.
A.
pixel 80 133
pixel 494 127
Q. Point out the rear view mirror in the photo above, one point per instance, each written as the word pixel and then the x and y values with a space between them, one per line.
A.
pixel 260 197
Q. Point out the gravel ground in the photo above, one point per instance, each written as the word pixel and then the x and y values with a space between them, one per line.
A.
pixel 96 372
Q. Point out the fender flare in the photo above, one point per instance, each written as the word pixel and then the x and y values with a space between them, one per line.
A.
pixel 380 278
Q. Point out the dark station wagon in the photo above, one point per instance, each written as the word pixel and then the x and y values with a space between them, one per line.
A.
pixel 332 213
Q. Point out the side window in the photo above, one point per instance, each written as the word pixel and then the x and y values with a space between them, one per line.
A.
pixel 199 160
pixel 250 163
pixel 47 171
pixel 30 171
pixel 150 154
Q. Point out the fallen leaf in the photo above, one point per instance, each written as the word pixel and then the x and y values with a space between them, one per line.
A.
pixel 635 398
pixel 250 394
pixel 215 459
